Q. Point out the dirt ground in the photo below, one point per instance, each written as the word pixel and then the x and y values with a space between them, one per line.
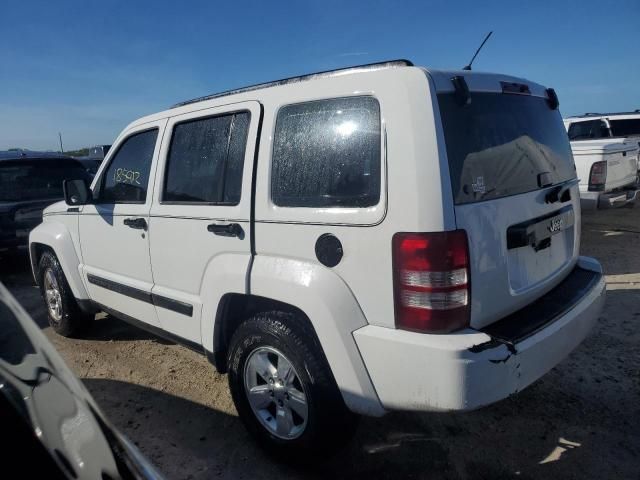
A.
pixel 580 421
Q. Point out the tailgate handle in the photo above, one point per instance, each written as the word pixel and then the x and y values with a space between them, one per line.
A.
pixel 537 233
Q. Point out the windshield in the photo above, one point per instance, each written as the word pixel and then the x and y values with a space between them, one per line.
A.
pixel 36 179
pixel 500 144
pixel 625 128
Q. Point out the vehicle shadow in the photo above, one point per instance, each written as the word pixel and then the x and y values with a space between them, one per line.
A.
pixel 108 328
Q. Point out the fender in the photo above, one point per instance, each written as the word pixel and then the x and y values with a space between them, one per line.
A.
pixel 56 235
pixel 334 314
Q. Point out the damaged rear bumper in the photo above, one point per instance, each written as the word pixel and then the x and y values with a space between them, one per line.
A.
pixel 469 369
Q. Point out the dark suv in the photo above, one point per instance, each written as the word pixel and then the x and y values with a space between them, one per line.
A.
pixel 29 181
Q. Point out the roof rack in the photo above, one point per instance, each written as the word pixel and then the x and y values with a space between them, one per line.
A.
pixel 598 114
pixel 302 78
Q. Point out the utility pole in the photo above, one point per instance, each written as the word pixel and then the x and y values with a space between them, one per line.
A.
pixel 60 137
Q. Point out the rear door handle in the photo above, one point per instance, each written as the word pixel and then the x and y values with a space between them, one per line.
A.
pixel 227 230
pixel 137 223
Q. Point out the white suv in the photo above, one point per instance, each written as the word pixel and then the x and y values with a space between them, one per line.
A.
pixel 383 237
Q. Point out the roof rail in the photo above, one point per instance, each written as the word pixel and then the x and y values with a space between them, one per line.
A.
pixel 302 78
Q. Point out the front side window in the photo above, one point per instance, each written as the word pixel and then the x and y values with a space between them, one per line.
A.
pixel 206 159
pixel 589 130
pixel 327 154
pixel 127 178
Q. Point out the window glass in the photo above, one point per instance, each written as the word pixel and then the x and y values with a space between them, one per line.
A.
pixel 327 154
pixel 206 159
pixel 626 127
pixel 37 179
pixel 499 144
pixel 127 178
pixel 589 130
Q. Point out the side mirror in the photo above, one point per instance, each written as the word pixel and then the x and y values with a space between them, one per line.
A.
pixel 76 192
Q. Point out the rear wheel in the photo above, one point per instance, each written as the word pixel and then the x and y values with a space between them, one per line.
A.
pixel 63 312
pixel 284 391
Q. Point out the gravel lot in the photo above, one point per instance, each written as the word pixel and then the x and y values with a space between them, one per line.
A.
pixel 580 421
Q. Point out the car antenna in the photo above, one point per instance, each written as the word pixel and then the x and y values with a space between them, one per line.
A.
pixel 468 67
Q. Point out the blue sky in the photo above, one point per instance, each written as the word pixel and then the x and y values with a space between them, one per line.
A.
pixel 88 68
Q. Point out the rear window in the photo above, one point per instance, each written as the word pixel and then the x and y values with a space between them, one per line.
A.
pixel 588 130
pixel 625 128
pixel 37 179
pixel 500 144
pixel 326 153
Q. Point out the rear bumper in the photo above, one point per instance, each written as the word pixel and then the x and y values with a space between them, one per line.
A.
pixel 470 369
pixel 598 200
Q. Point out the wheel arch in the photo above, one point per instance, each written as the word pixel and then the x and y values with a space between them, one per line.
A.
pixel 324 305
pixel 56 238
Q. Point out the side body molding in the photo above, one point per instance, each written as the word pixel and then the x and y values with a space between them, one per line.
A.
pixel 57 236
pixel 334 314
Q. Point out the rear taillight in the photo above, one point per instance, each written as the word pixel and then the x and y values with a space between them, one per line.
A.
pixel 598 176
pixel 431 281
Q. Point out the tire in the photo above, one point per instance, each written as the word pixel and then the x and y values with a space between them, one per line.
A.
pixel 328 424
pixel 65 318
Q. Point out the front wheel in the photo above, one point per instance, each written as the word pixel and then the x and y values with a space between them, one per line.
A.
pixel 64 314
pixel 284 391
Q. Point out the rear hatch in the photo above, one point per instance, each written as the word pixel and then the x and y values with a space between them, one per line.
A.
pixel 621 156
pixel 514 188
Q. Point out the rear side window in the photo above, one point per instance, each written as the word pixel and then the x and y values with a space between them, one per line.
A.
pixel 501 145
pixel 126 179
pixel 589 130
pixel 206 159
pixel 327 154
pixel 625 128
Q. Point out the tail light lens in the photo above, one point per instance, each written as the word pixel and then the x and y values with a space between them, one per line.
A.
pixel 431 281
pixel 598 176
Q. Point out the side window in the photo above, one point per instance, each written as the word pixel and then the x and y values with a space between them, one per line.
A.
pixel 625 127
pixel 127 177
pixel 205 160
pixel 326 153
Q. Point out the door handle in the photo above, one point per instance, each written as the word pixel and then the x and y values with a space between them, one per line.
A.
pixel 137 223
pixel 228 230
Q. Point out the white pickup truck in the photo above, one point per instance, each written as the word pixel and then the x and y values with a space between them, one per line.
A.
pixel 384 237
pixel 604 147
pixel 608 172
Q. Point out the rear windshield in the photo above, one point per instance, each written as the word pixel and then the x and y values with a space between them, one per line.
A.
pixel 501 145
pixel 588 130
pixel 625 128
pixel 37 179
